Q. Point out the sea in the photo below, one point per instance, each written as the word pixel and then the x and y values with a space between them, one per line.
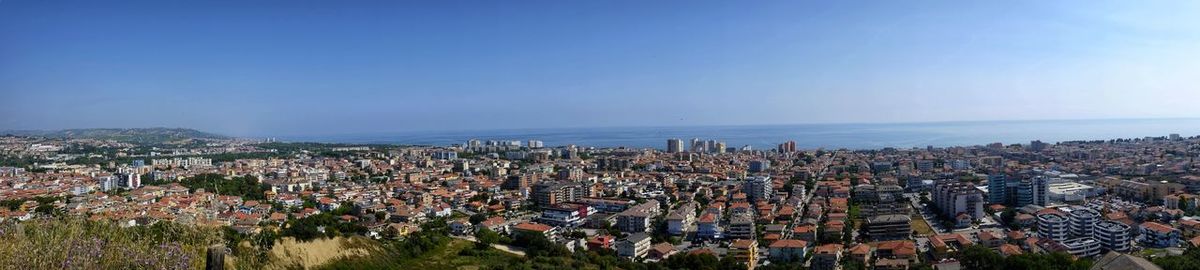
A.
pixel 806 136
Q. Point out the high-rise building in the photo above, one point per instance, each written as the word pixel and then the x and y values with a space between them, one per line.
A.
pixel 757 166
pixel 956 198
pixel 674 145
pixel 698 146
pixel 758 188
pixel 1033 191
pixel 787 147
pixel 133 180
pixel 536 144
pixel 571 174
pixel 720 148
pixel 446 155
pixel 519 182
pixel 1037 146
pixel 997 188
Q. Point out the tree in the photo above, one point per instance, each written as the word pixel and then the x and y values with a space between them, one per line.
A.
pixel 477 218
pixel 1008 216
pixel 979 257
pixel 389 233
pixel 692 261
pixel 1190 260
pixel 485 237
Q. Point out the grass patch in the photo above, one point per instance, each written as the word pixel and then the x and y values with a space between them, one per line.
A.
pixel 461 254
pixel 457 254
pixel 920 226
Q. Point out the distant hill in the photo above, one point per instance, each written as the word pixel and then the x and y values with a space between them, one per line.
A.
pixel 132 135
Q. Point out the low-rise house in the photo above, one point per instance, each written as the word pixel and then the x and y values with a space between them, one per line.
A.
pixel 945 245
pixel 806 232
pixel 708 226
pixel 601 242
pixel 460 227
pixel 897 249
pixel 990 239
pixel 788 250
pixel 661 251
pixel 861 253
pixel 826 257
pixel 529 227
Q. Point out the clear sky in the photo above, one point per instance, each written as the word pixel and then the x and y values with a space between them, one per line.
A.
pixel 335 67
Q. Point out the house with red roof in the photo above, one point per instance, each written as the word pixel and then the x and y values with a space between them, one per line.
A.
pixel 786 250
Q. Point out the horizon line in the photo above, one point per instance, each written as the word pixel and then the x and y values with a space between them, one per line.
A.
pixel 615 126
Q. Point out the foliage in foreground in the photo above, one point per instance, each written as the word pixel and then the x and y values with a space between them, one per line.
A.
pixel 1190 260
pixel 979 257
pixel 74 243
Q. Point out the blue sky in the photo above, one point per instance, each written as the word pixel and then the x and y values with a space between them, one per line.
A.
pixel 337 67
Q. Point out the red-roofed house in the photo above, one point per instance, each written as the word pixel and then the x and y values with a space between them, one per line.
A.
pixel 788 250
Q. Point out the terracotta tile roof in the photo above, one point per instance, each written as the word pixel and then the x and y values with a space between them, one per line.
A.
pixel 804 229
pixel 988 236
pixel 1010 249
pixel 898 247
pixel 789 243
pixel 1158 227
pixel 828 249
pixel 528 226
pixel 860 249
pixel 742 244
pixel 663 248
pixel 1016 235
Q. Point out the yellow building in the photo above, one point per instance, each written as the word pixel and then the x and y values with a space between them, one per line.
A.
pixel 745 251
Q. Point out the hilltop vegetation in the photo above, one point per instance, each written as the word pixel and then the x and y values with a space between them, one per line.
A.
pixel 129 135
pixel 74 243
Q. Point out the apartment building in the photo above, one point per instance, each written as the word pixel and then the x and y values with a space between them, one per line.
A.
pixel 1154 234
pixel 826 257
pixel 741 226
pixel 1053 226
pixel 758 188
pixel 888 227
pixel 635 246
pixel 638 218
pixel 1083 221
pixel 1113 236
pixel 956 198
pixel 681 220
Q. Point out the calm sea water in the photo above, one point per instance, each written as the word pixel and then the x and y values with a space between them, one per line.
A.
pixel 807 136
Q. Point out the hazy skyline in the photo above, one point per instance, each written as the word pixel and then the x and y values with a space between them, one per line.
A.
pixel 293 67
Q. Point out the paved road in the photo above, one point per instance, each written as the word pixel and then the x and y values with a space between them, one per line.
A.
pixel 506 248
